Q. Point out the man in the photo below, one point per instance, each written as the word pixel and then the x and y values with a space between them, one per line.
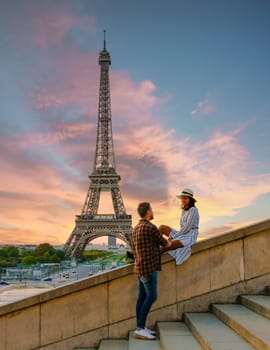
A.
pixel 146 240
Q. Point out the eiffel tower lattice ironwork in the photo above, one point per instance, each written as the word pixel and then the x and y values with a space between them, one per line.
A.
pixel 89 224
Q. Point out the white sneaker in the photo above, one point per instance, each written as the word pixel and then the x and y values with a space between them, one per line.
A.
pixel 143 334
pixel 151 331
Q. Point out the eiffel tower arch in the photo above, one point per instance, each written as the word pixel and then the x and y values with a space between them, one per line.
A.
pixel 104 178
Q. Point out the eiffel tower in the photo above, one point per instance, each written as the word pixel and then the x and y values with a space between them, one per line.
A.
pixel 89 224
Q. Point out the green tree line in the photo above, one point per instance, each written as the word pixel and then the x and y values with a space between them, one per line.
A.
pixel 11 256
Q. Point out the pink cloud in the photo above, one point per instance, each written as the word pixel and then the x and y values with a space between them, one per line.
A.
pixel 77 82
pixel 53 133
pixel 219 169
pixel 133 100
pixel 203 108
pixel 41 194
pixel 154 165
pixel 74 84
pixel 52 27
pixel 36 199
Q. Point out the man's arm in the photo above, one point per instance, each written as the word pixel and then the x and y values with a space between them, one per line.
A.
pixel 169 244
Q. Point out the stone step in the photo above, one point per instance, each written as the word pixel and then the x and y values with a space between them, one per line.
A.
pixel 267 290
pixel 213 334
pixel 139 344
pixel 176 336
pixel 257 303
pixel 113 344
pixel 247 323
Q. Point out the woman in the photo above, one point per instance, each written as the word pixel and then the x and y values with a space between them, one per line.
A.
pixel 183 239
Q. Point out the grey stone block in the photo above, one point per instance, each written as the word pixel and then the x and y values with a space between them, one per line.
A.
pixel 250 325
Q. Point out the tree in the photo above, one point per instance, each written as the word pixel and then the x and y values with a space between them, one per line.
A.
pixel 26 252
pixel 44 248
pixel 29 260
pixel 60 254
pixel 43 253
pixel 9 251
pixel 55 258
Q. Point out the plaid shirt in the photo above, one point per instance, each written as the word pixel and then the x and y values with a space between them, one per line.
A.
pixel 146 240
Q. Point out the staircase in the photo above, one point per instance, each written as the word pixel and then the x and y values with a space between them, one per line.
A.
pixel 242 326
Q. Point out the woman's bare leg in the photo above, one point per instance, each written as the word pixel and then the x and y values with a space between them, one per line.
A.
pixel 165 230
pixel 175 244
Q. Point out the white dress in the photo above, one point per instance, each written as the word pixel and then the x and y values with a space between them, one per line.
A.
pixel 188 233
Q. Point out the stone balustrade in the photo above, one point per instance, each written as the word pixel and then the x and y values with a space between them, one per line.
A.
pixel 103 306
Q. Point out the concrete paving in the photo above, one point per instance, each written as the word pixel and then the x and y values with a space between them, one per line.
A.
pixel 257 303
pixel 213 334
pixel 176 336
pixel 250 325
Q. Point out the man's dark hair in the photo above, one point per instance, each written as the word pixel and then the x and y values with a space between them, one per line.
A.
pixel 142 209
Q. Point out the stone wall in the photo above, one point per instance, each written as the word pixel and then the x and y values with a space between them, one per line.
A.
pixel 103 306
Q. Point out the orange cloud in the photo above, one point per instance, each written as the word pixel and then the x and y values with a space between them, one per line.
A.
pixel 154 163
pixel 219 170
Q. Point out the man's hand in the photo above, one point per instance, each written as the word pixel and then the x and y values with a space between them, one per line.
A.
pixel 169 243
pixel 166 247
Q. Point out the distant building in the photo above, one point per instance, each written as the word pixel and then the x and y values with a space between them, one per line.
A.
pixel 111 241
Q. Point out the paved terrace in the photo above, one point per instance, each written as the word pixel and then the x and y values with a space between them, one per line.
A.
pixel 82 313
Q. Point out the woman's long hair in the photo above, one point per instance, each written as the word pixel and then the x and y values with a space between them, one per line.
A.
pixel 191 204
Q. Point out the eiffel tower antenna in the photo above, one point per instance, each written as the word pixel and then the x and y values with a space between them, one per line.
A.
pixel 89 224
pixel 104 40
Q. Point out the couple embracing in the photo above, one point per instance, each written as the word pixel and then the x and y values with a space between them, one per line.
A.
pixel 149 243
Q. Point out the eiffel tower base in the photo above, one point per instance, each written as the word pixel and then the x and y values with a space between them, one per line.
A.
pixel 90 227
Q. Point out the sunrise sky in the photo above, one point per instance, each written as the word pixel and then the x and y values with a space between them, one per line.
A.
pixel 190 90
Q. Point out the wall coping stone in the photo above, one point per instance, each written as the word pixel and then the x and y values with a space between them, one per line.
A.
pixel 127 270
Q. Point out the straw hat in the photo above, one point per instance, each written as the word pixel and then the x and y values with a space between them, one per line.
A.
pixel 186 192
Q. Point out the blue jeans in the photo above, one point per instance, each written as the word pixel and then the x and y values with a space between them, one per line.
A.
pixel 147 295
